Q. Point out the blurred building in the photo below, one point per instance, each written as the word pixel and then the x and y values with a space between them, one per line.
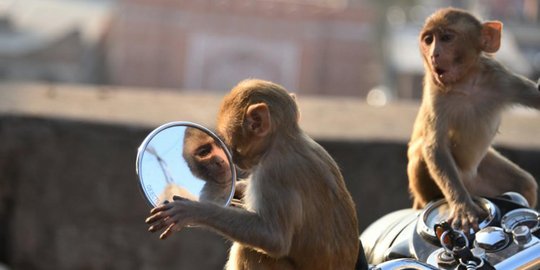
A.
pixel 53 41
pixel 362 48
pixel 310 46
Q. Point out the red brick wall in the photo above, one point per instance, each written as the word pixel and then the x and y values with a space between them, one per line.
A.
pixel 211 45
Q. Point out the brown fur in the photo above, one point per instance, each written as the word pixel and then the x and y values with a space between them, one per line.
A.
pixel 465 91
pixel 299 214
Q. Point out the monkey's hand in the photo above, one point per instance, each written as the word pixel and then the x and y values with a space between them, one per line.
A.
pixel 240 189
pixel 172 216
pixel 465 216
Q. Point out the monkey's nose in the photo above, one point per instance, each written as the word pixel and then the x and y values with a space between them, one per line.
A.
pixel 439 71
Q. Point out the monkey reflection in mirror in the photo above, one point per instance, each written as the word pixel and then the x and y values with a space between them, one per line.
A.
pixel 465 91
pixel 298 213
pixel 208 162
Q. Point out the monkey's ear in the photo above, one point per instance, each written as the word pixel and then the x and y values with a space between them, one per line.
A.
pixel 258 119
pixel 491 36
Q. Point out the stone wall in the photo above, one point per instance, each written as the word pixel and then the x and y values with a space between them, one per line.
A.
pixel 70 200
pixel 69 197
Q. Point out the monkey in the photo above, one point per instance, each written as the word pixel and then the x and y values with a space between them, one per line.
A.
pixel 298 213
pixel 207 161
pixel 450 153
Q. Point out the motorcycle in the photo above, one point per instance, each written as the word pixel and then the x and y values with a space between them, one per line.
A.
pixel 508 238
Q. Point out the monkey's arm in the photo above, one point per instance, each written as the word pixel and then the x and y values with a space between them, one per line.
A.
pixel 262 234
pixel 271 235
pixel 443 169
pixel 524 91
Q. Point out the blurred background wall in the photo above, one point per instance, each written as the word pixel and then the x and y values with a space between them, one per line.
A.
pixel 83 82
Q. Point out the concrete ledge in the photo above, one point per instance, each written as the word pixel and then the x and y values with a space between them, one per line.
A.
pixel 323 118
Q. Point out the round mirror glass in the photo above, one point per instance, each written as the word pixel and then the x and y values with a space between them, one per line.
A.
pixel 187 160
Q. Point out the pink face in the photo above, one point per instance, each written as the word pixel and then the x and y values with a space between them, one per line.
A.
pixel 206 158
pixel 214 161
pixel 447 55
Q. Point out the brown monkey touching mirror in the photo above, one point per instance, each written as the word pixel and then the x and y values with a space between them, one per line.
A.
pixel 208 162
pixel 465 91
pixel 298 213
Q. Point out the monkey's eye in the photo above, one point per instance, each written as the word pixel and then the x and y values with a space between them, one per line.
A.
pixel 203 150
pixel 446 37
pixel 428 39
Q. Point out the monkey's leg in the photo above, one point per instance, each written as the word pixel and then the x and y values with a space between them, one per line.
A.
pixel 497 174
pixel 245 258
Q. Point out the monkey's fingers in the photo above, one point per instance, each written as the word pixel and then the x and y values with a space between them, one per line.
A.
pixel 178 198
pixel 474 217
pixel 466 223
pixel 457 219
pixel 153 218
pixel 161 208
pixel 456 222
pixel 156 217
pixel 172 228
pixel 473 221
pixel 159 224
